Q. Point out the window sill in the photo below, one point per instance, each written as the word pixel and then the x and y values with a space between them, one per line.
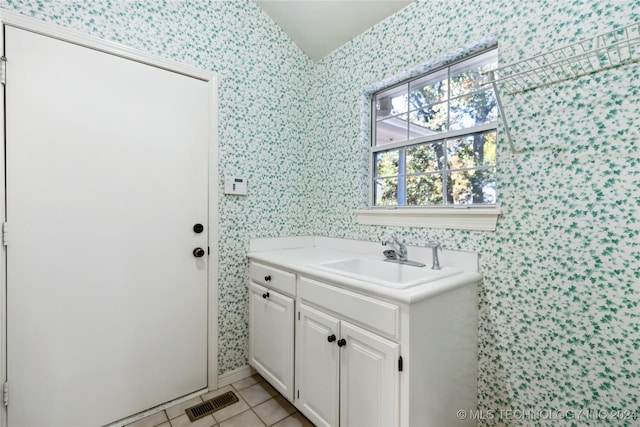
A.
pixel 477 219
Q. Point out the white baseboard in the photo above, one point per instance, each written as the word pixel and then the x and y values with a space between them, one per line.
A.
pixel 235 375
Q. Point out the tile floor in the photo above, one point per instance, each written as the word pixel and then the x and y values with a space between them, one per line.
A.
pixel 260 405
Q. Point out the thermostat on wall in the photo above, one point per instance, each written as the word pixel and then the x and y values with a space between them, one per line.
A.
pixel 236 186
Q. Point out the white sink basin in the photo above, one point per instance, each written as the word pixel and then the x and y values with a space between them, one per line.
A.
pixel 388 274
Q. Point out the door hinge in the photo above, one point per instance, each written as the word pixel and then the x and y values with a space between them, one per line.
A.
pixel 400 364
pixel 3 70
pixel 298 394
pixel 5 234
pixel 298 315
pixel 5 394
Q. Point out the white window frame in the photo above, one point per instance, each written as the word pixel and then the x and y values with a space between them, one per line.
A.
pixel 465 217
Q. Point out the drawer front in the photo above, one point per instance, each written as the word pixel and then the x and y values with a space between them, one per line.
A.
pixel 369 312
pixel 273 278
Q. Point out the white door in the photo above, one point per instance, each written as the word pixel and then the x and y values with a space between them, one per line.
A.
pixel 369 381
pixel 317 366
pixel 271 337
pixel 106 177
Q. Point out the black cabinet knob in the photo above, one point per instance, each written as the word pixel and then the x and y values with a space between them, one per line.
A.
pixel 267 278
pixel 198 228
pixel 331 338
pixel 198 252
pixel 341 342
pixel 265 295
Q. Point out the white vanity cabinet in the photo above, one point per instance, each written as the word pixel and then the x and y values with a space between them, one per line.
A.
pixel 271 326
pixel 345 375
pixel 364 355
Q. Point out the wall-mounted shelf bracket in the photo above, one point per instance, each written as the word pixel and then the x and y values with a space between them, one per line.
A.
pixel 491 79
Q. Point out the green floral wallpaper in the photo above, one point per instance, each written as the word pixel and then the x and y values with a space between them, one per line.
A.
pixel 560 301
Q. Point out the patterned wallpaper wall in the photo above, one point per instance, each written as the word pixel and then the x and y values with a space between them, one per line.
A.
pixel 560 302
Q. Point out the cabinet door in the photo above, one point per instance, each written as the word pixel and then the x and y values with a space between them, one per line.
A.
pixel 271 319
pixel 317 366
pixel 369 379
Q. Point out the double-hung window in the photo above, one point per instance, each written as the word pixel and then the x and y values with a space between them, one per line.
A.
pixel 434 138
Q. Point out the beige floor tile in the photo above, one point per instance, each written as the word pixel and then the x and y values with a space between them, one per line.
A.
pixel 247 382
pixel 258 393
pixel 167 424
pixel 151 421
pixel 231 410
pixel 245 419
pixel 295 420
pixel 274 410
pixel 183 421
pixel 177 410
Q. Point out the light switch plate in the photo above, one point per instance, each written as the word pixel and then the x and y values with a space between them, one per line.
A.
pixel 235 185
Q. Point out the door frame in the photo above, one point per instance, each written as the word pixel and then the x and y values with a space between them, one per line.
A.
pixel 26 23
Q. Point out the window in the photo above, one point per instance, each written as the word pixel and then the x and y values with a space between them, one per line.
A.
pixel 434 138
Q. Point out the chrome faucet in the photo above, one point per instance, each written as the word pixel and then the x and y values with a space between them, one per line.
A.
pixel 400 251
pixel 398 247
pixel 434 245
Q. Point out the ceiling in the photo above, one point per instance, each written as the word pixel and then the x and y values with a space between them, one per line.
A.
pixel 319 27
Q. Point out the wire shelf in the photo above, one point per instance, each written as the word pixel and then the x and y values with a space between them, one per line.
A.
pixel 602 52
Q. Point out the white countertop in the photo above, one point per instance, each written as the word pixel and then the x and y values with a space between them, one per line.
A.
pixel 305 252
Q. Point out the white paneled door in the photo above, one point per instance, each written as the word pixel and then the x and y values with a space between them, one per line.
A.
pixel 317 366
pixel 106 174
pixel 369 379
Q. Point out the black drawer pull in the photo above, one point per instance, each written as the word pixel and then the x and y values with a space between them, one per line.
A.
pixel 331 338
pixel 341 342
pixel 267 278
pixel 265 295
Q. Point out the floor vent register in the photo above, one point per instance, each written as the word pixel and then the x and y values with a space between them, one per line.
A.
pixel 212 405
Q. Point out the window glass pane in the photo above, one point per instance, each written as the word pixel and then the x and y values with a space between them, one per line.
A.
pixel 473 150
pixel 391 102
pixel 431 166
pixel 429 120
pixel 424 158
pixel 391 130
pixel 473 110
pixel 386 193
pixel 387 163
pixel 424 190
pixel 429 89
pixel 466 76
pixel 473 187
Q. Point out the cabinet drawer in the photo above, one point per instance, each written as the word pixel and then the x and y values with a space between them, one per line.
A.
pixel 371 313
pixel 273 278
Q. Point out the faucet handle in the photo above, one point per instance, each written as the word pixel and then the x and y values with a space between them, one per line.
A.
pixel 435 245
